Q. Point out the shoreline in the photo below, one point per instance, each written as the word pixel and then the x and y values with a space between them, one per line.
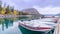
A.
pixel 8 16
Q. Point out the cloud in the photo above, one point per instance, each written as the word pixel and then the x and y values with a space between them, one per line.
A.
pixel 26 0
pixel 22 4
pixel 48 10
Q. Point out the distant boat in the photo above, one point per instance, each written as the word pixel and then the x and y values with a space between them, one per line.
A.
pixel 38 25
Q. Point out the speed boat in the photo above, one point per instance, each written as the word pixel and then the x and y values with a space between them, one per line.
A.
pixel 39 25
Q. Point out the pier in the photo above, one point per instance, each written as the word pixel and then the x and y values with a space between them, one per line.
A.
pixel 57 28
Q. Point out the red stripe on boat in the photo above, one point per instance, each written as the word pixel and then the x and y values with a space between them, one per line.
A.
pixel 36 28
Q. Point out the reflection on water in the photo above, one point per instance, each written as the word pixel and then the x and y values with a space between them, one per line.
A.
pixel 5 22
pixel 8 22
pixel 9 26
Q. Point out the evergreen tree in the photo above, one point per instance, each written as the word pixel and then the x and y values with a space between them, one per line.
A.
pixel 7 10
pixel 12 9
pixel 0 6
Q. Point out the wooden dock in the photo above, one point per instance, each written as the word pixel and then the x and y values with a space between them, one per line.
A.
pixel 57 29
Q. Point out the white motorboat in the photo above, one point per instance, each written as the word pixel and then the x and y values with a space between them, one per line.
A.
pixel 38 25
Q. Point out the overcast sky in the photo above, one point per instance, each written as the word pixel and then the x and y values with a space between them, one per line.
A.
pixel 43 6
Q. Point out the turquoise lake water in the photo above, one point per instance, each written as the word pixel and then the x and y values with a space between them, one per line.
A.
pixel 11 26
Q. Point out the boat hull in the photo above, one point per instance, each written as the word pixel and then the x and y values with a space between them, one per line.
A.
pixel 26 31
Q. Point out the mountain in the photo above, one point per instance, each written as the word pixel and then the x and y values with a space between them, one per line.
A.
pixel 32 11
pixel 50 14
pixel 58 14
